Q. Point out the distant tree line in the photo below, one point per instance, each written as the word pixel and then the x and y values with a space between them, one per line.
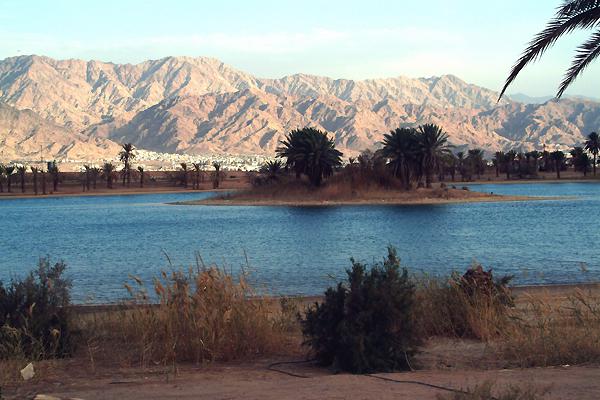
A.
pixel 412 156
pixel 415 156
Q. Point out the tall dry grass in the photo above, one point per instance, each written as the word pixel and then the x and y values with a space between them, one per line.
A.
pixel 540 330
pixel 546 332
pixel 193 316
pixel 444 308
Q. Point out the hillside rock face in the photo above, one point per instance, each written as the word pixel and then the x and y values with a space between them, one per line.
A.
pixel 26 135
pixel 79 109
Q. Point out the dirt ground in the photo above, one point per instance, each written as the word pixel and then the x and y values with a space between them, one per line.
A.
pixel 255 381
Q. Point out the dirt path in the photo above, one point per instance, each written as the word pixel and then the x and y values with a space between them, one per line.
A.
pixel 256 382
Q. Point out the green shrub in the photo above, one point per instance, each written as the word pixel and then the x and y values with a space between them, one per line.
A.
pixel 364 325
pixel 34 318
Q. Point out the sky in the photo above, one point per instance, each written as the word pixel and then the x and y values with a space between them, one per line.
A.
pixel 475 40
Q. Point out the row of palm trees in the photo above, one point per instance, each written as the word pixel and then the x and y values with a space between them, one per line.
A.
pixel 411 154
pixel 198 174
pixel 11 171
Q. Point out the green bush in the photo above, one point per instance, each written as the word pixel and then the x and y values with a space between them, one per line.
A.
pixel 34 316
pixel 364 325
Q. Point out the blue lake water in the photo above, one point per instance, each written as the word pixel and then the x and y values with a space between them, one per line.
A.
pixel 297 250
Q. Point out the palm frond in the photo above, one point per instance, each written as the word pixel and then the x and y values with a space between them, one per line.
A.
pixel 578 14
pixel 586 53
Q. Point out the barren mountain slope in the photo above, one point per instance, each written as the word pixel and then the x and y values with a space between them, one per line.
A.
pixel 196 105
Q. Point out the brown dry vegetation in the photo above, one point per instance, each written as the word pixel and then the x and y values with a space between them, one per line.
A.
pixel 192 316
pixel 205 315
pixel 343 191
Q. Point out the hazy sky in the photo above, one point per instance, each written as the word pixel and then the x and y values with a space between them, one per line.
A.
pixel 475 40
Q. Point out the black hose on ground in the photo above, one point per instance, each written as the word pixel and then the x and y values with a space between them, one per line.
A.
pixel 271 367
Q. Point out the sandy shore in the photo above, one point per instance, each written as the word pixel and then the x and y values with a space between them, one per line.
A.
pixel 402 199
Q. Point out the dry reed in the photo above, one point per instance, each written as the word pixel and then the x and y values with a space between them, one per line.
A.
pixel 547 332
pixel 194 316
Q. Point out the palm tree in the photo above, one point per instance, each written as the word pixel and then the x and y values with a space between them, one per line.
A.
pixel 310 152
pixel 401 147
pixel 108 170
pixel 509 162
pixel 475 158
pixel 22 169
pixel 498 161
pixel 571 16
pixel 558 157
pixel 95 172
pixel 126 156
pixel 35 172
pixel 535 156
pixel 547 161
pixel 462 166
pixel 592 144
pixel 197 174
pixel 273 169
pixel 448 166
pixel 2 173
pixel 217 175
pixel 290 149
pixel 434 144
pixel 43 173
pixel 141 171
pixel 87 177
pixel 53 170
pixel 580 160
pixel 184 174
pixel 10 170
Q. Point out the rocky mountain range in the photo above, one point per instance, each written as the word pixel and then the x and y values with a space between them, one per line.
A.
pixel 83 109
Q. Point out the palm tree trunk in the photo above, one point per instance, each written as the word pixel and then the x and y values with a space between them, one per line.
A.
pixel 35 182
pixel 43 182
pixel 594 164
pixel 557 170
pixel 22 182
pixel 9 183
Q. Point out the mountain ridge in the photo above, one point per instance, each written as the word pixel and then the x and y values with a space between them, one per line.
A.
pixel 200 104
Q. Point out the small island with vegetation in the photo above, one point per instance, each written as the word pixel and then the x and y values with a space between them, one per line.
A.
pixel 310 171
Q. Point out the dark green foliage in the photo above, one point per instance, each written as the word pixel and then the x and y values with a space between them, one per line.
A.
pixel 592 144
pixel 364 325
pixel 413 153
pixel 270 172
pixel 580 160
pixel 401 147
pixel 34 315
pixel 310 152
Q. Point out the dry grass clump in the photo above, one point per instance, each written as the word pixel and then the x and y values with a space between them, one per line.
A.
pixel 486 391
pixel 195 316
pixel 545 333
pixel 473 305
